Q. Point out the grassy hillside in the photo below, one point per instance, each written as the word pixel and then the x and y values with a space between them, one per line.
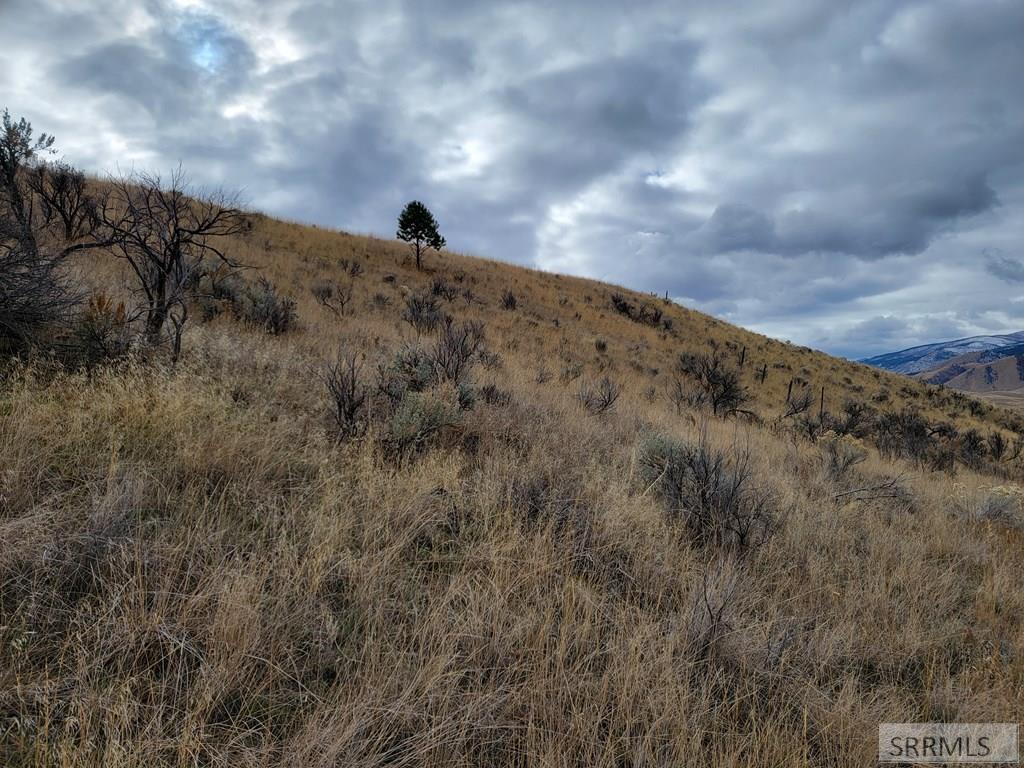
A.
pixel 203 564
pixel 995 376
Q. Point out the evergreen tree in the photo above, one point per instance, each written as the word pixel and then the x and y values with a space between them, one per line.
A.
pixel 418 227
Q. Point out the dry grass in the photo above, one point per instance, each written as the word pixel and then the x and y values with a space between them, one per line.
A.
pixel 194 570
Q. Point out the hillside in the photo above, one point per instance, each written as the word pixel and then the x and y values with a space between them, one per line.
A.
pixel 994 370
pixel 930 356
pixel 531 536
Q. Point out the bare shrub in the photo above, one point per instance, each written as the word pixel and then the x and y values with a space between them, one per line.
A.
pixel 683 396
pixel 645 314
pixel 165 231
pixel 265 307
pixel 456 345
pixel 47 213
pixel 100 333
pixel 973 449
pixel 440 288
pixel 997 444
pixel 903 433
pixel 798 403
pixel 854 419
pixel 348 394
pixel 331 295
pixel 423 312
pixel 840 454
pixel 719 381
pixel 493 395
pixel 600 398
pixel 509 300
pixel 712 495
pixel 35 299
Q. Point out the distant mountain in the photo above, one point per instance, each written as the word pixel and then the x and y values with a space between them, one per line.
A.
pixel 991 370
pixel 929 356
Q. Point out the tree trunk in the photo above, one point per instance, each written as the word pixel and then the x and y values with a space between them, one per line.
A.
pixel 155 320
pixel 418 265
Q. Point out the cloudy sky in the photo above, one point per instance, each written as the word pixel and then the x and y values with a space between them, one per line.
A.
pixel 848 175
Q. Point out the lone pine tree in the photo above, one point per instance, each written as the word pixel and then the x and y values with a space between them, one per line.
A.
pixel 417 226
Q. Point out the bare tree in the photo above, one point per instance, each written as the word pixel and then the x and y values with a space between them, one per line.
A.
pixel 166 232
pixel 46 213
pixel 65 200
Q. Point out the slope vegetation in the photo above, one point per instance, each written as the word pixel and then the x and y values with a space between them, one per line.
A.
pixel 538 534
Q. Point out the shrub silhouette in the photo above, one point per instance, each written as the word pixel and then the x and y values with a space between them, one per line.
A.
pixel 712 495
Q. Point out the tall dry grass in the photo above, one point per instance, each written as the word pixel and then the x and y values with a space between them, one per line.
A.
pixel 196 570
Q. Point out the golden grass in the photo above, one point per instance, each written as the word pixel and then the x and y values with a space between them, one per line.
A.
pixel 193 571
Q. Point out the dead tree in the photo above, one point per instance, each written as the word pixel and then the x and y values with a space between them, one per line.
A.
pixel 167 234
pixel 46 214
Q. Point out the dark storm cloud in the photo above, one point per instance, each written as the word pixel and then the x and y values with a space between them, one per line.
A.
pixel 1005 267
pixel 819 171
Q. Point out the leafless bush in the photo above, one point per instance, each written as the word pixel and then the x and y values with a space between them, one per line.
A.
pixel 644 313
pixel 714 496
pixel 904 433
pixel 456 345
pixel 493 395
pixel 719 381
pixel 100 333
pixel 855 419
pixel 997 445
pixel 46 214
pixel 601 398
pixel 840 455
pixel 348 394
pixel 165 231
pixel 35 298
pixel 798 403
pixel 423 312
pixel 684 397
pixel 443 290
pixel 509 300
pixel 331 295
pixel 268 309
pixel 973 449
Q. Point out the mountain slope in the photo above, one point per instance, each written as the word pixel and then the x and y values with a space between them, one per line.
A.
pixel 993 370
pixel 488 559
pixel 927 356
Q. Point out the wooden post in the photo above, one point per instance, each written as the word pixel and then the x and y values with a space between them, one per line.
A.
pixel 821 408
pixel 789 392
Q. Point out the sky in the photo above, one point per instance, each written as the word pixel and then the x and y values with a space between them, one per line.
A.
pixel 845 175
